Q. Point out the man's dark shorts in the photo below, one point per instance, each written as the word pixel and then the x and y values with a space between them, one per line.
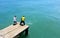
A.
pixel 15 23
pixel 22 22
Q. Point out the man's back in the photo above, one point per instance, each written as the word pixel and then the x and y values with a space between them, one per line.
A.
pixel 14 19
pixel 23 19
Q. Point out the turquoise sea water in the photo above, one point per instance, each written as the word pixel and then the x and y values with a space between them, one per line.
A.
pixel 43 16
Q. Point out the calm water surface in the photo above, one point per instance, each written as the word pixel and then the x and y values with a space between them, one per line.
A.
pixel 43 16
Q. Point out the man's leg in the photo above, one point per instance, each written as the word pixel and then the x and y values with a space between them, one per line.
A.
pixel 24 23
pixel 14 23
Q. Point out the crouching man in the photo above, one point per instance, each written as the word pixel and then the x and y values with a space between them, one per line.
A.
pixel 22 23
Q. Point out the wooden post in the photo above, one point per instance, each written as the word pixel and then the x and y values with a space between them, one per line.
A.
pixel 26 31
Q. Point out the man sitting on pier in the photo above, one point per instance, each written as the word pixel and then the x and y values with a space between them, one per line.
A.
pixel 22 21
pixel 15 21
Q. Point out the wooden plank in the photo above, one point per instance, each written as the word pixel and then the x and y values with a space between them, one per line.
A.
pixel 8 29
pixel 16 32
pixel 12 31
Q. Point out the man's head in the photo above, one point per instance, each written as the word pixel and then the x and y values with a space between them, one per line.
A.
pixel 22 16
pixel 14 16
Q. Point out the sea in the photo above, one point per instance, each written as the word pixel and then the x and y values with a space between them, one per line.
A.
pixel 42 16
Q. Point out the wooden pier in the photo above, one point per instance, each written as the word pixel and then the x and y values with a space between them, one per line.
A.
pixel 13 30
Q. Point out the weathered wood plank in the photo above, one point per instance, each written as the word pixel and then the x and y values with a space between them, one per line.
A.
pixel 11 31
pixel 8 29
pixel 16 32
